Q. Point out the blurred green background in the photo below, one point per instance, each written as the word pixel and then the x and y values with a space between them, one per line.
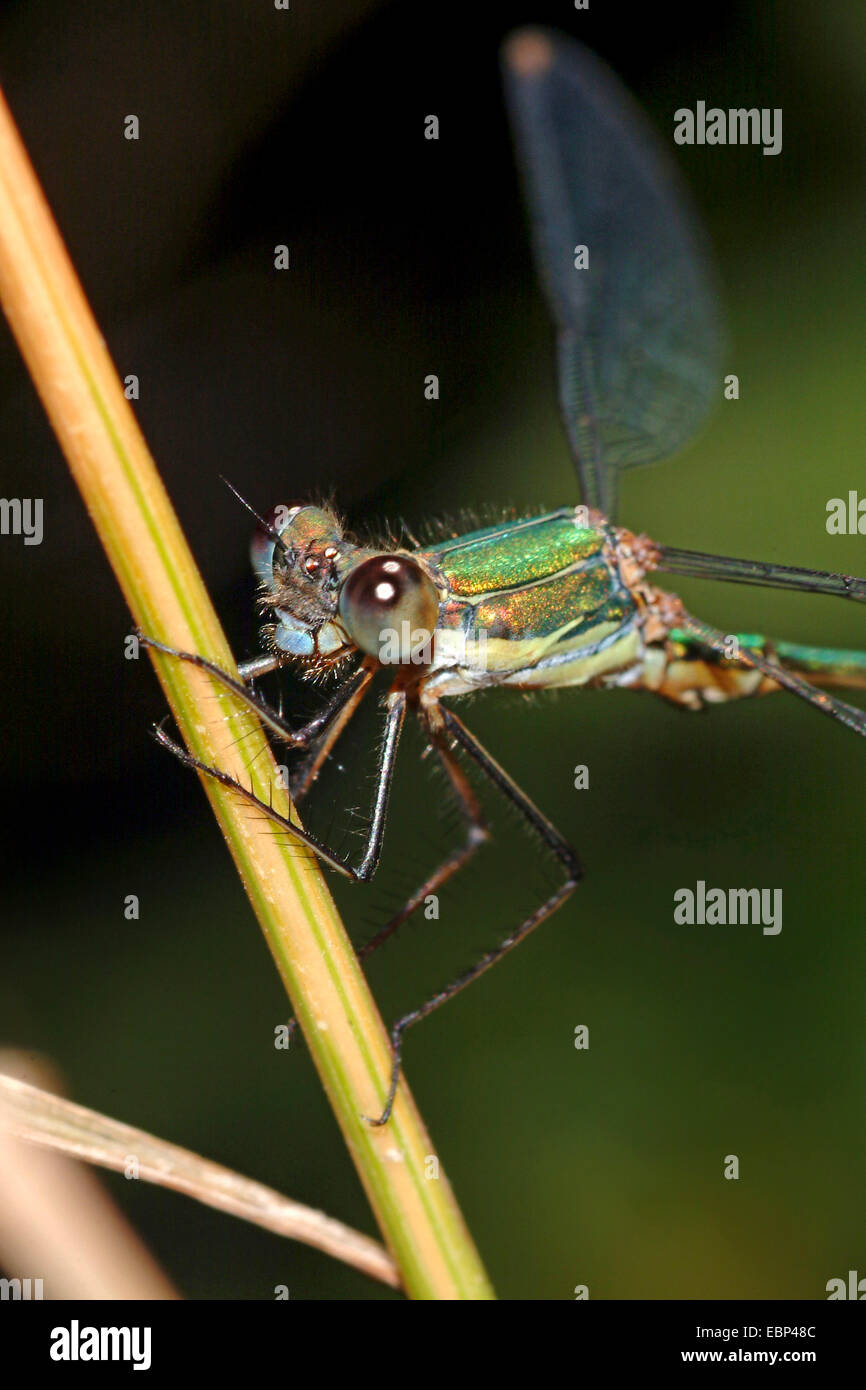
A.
pixel 602 1167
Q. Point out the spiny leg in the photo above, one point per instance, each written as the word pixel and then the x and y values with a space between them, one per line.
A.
pixel 385 773
pixel 350 690
pixel 341 711
pixel 318 735
pixel 476 834
pixel 366 868
pixel 549 835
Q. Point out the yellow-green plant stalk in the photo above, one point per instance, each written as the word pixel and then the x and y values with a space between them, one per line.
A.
pixel 97 430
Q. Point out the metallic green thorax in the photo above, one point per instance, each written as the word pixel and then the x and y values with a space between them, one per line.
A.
pixel 513 554
pixel 538 601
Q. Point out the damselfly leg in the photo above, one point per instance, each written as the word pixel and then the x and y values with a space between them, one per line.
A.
pixel 476 835
pixel 303 738
pixel 549 836
pixel 317 736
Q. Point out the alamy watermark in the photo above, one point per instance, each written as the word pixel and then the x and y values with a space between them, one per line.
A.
pixel 415 647
pixel 98 1343
pixel 22 516
pixel 704 906
pixel 853 1287
pixel 21 1289
pixel 846 516
pixel 712 125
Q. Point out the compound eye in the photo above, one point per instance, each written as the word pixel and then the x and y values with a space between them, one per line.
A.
pixel 389 608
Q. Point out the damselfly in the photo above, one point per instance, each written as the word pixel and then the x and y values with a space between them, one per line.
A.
pixel 562 599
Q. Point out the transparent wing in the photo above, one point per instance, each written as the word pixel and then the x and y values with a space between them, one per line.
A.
pixel 639 338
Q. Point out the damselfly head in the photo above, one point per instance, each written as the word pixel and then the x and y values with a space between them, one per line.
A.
pixel 302 558
pixel 330 597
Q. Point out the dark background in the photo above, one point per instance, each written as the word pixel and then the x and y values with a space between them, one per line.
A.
pixel 408 257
